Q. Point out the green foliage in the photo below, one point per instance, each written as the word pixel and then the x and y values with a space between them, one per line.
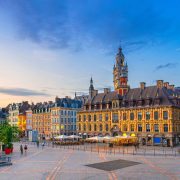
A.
pixel 8 134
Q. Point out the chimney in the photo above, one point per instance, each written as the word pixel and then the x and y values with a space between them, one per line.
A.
pixel 106 90
pixel 142 85
pixel 160 83
pixel 166 85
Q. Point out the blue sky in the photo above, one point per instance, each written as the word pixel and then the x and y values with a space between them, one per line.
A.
pixel 52 47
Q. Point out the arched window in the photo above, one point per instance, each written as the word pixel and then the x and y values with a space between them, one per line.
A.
pixel 95 117
pixel 100 127
pixel 125 127
pixel 131 116
pixel 89 117
pixel 132 127
pixel 89 127
pixel 95 128
pixel 84 127
pixel 79 127
pixel 107 127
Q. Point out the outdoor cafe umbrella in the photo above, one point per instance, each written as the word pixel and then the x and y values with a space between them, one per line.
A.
pixel 74 137
pixel 61 137
pixel 95 139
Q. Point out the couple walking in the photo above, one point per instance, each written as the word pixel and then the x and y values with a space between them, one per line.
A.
pixel 25 149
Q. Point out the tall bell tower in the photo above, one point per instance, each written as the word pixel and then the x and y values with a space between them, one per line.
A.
pixel 120 73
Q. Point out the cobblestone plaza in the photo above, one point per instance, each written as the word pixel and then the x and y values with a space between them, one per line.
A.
pixel 59 163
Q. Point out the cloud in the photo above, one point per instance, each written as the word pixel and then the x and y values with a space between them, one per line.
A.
pixel 21 92
pixel 168 65
pixel 82 24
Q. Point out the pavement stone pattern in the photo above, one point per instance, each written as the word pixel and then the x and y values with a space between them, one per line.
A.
pixel 68 164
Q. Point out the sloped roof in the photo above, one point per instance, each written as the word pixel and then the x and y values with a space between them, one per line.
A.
pixel 167 96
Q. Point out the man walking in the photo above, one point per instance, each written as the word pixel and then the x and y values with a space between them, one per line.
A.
pixel 21 149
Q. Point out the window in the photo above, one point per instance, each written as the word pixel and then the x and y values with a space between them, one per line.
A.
pixel 95 117
pixel 79 127
pixel 165 115
pixel 131 116
pixel 156 115
pixel 100 127
pixel 148 128
pixel 115 118
pixel 139 116
pixel 132 127
pixel 84 127
pixel 147 115
pixel 107 127
pixel 165 127
pixel 89 117
pixel 139 127
pixel 156 127
pixel 100 117
pixel 89 127
pixel 79 117
pixel 125 127
pixel 95 128
pixel 124 116
pixel 106 117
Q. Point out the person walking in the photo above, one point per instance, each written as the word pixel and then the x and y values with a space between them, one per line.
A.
pixel 25 148
pixel 43 144
pixel 21 149
pixel 37 144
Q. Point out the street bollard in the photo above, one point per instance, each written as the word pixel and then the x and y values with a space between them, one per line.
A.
pixel 154 151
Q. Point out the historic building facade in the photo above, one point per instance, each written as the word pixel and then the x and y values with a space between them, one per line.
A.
pixel 17 114
pixel 51 119
pixel 152 113
pixel 63 116
pixel 41 119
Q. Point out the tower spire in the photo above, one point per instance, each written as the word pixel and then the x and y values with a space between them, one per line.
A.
pixel 120 72
pixel 91 88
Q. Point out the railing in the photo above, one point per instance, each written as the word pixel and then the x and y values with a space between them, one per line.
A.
pixel 124 150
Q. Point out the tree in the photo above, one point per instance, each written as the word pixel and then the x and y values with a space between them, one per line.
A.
pixel 8 134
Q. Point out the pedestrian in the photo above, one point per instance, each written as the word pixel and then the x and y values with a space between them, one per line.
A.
pixel 43 145
pixel 21 149
pixel 25 148
pixel 37 144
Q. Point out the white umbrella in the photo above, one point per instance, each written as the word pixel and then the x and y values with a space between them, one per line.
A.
pixel 61 137
pixel 74 137
pixel 96 138
pixel 107 137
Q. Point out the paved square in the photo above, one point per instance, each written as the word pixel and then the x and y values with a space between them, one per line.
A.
pixel 68 164
pixel 113 165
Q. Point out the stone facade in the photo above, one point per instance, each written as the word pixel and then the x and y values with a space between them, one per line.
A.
pixel 151 113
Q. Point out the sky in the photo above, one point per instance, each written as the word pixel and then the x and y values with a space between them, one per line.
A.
pixel 52 48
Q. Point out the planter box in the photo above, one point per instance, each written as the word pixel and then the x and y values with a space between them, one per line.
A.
pixel 8 151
